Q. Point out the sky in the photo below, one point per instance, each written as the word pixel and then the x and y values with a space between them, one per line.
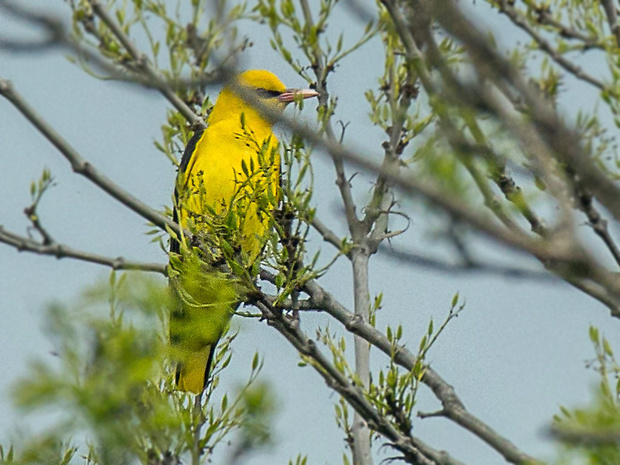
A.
pixel 515 354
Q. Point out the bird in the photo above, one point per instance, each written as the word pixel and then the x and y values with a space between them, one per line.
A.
pixel 227 189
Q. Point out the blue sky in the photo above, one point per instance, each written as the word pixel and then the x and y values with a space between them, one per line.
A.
pixel 514 355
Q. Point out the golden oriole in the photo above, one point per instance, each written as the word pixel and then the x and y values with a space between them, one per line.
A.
pixel 226 191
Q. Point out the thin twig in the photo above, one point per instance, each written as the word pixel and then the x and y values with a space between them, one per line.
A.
pixel 55 31
pixel 321 72
pixel 375 221
pixel 578 72
pixel 598 223
pixel 54 249
pixel 589 42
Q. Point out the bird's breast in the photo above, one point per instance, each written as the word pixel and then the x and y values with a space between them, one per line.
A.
pixel 234 167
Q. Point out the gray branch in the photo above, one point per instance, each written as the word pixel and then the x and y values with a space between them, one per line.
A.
pixel 415 451
pixel 54 249
pixel 79 164
pixel 453 407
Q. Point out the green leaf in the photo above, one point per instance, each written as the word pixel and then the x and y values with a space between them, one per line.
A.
pixel 423 344
pixel 594 336
pixel 69 453
pixel 120 16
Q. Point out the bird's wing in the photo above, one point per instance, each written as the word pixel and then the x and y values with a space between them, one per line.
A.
pixel 190 148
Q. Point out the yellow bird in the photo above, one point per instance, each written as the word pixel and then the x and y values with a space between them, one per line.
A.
pixel 226 192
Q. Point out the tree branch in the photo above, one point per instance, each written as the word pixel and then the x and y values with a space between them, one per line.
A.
pixel 543 137
pixel 55 31
pixel 506 8
pixel 414 450
pixel 413 258
pixel 544 119
pixel 453 407
pixel 612 18
pixel 58 38
pixel 545 17
pixel 375 221
pixel 359 253
pixel 26 244
pixel 142 62
pixel 327 234
pixel 82 166
pixel 597 222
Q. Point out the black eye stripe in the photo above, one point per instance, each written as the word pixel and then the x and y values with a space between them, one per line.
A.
pixel 266 93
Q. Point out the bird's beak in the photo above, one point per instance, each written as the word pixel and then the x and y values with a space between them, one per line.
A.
pixel 290 95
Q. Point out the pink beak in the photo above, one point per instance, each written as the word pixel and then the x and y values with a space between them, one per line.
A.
pixel 290 95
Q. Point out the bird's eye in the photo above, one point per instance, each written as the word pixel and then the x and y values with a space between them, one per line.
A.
pixel 266 93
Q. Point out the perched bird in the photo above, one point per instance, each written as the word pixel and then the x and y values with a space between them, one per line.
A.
pixel 226 191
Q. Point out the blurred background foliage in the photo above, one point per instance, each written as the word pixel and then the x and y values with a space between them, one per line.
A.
pixel 110 396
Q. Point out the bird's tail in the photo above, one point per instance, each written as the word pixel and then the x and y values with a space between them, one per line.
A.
pixel 205 300
pixel 192 374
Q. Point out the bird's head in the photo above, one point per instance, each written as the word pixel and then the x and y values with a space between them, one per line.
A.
pixel 268 88
pixel 265 86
